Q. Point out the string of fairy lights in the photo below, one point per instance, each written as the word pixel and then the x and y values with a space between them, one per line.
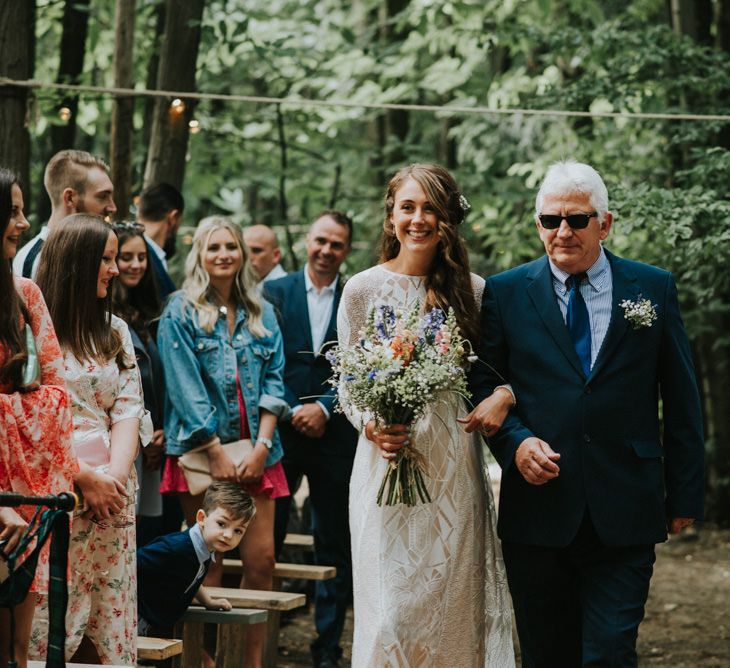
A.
pixel 177 104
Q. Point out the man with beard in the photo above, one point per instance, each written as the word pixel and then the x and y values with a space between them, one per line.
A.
pixel 76 182
pixel 160 210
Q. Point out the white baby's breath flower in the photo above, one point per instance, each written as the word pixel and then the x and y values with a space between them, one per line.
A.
pixel 640 312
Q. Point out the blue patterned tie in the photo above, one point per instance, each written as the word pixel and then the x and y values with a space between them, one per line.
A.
pixel 577 321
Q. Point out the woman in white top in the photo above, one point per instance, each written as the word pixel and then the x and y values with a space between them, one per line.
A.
pixel 429 582
pixel 109 420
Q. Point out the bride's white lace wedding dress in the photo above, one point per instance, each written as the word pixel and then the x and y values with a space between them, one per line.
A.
pixel 430 587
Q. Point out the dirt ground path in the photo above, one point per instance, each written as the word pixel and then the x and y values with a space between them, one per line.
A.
pixel 687 622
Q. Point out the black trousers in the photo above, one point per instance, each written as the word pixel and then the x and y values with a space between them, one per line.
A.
pixel 579 605
pixel 329 481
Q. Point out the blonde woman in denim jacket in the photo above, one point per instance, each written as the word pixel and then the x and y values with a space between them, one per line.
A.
pixel 223 358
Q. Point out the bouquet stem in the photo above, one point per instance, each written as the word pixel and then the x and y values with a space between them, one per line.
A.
pixel 404 480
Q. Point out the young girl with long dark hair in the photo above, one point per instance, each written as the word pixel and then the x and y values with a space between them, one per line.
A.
pixel 135 300
pixel 77 268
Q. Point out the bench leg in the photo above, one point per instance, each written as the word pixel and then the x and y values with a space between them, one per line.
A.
pixel 230 645
pixel 192 637
pixel 271 646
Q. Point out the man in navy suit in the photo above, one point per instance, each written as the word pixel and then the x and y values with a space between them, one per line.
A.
pixel 160 210
pixel 593 474
pixel 318 443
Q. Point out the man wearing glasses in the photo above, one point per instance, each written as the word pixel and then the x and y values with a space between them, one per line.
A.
pixel 591 478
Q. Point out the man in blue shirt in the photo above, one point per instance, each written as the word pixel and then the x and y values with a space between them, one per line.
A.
pixel 591 477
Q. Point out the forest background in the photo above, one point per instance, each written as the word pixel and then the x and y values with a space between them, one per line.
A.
pixel 281 163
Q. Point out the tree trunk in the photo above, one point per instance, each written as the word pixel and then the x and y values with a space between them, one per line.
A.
pixel 397 121
pixel 152 67
pixel 123 113
pixel 169 133
pixel 723 25
pixel 692 18
pixel 17 44
pixel 715 370
pixel 73 47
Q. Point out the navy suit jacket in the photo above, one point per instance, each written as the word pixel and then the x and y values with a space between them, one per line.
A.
pixel 306 374
pixel 629 468
pixel 165 570
pixel 164 282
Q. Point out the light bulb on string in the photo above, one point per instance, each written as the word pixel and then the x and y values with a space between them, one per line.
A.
pixel 177 106
pixel 194 126
pixel 64 113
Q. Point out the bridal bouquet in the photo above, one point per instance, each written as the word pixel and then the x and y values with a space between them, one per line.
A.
pixel 394 373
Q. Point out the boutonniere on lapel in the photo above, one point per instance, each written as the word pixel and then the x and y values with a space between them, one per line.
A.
pixel 640 312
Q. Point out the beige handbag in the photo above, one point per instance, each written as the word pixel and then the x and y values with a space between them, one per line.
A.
pixel 195 464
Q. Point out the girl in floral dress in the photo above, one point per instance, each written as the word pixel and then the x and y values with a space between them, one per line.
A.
pixel 36 457
pixel 109 421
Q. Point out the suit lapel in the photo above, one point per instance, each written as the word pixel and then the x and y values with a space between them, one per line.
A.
pixel 624 287
pixel 541 292
pixel 331 333
pixel 301 311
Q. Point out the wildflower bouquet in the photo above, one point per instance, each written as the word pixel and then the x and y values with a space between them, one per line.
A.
pixel 394 374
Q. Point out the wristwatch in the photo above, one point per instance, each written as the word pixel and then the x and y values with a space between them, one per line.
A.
pixel 266 441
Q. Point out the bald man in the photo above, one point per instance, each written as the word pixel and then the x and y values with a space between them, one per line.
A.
pixel 263 251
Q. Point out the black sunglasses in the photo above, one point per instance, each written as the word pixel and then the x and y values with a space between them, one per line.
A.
pixel 577 221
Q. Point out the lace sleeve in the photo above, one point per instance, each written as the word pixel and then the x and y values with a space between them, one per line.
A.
pixel 351 316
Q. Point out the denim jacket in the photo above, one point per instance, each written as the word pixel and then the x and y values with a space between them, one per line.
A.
pixel 200 377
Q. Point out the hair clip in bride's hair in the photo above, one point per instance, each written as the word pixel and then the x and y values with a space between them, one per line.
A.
pixel 464 204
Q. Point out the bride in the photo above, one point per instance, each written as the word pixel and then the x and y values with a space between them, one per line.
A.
pixel 429 582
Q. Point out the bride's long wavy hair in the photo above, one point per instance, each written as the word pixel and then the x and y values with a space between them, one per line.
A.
pixel 197 286
pixel 448 282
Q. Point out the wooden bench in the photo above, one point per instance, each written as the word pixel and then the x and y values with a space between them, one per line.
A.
pixel 158 649
pixel 301 540
pixel 230 638
pixel 274 602
pixel 282 571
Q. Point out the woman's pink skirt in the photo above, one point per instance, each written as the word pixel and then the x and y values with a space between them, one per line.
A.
pixel 273 482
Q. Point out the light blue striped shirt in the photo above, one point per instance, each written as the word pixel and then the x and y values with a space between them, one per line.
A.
pixel 597 292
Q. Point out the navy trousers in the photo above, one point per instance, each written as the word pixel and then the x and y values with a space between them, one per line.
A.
pixel 329 481
pixel 579 605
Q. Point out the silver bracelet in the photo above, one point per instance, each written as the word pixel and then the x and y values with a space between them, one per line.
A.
pixel 266 441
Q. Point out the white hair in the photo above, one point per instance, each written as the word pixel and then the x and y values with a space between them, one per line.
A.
pixel 569 177
pixel 197 281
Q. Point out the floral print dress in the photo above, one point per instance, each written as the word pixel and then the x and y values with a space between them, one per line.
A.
pixel 36 454
pixel 102 596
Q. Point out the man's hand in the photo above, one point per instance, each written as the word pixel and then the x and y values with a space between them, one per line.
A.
pixel 535 460
pixel 676 524
pixel 103 493
pixel 310 420
pixel 488 415
pixel 12 527
pixel 389 439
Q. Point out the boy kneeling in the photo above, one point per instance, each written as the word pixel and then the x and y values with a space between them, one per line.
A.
pixel 171 569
